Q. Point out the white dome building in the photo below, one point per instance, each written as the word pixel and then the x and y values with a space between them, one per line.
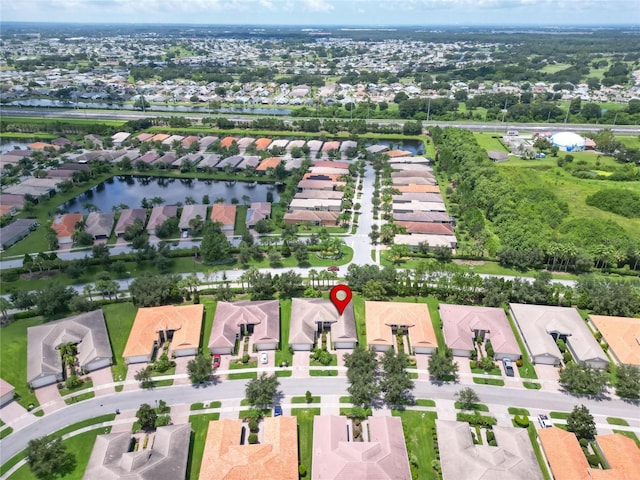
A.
pixel 568 141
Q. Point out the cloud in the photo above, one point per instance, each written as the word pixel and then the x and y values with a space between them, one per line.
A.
pixel 318 5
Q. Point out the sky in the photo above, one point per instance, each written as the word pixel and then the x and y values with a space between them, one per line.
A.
pixel 327 12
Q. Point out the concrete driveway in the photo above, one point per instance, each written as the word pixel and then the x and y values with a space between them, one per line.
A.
pixel 16 416
pixel 301 363
pixel 181 368
pixel 49 398
pixel 103 381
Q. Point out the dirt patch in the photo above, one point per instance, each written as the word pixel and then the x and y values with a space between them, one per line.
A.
pixel 40 275
pixel 469 263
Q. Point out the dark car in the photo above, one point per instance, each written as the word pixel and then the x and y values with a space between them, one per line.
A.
pixel 216 360
pixel 508 367
pixel 333 268
pixel 277 411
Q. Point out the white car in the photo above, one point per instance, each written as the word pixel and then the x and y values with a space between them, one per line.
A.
pixel 264 358
pixel 544 421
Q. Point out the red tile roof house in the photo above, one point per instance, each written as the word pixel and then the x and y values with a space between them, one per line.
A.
pixel 64 226
pixel 325 219
pixel 228 141
pixel 256 212
pixel 260 319
pixel 225 214
pixel 159 215
pixel 462 324
pixel 263 143
pixel 381 456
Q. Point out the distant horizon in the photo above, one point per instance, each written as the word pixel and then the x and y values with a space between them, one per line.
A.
pixel 329 13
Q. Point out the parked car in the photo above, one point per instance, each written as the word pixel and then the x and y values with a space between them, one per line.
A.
pixel 277 411
pixel 333 268
pixel 508 367
pixel 544 421
pixel 216 360
pixel 264 358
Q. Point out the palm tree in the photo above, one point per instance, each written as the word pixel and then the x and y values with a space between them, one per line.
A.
pixel 88 290
pixel 313 274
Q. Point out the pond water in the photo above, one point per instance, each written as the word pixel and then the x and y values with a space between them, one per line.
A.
pixel 416 147
pixel 7 144
pixel 130 190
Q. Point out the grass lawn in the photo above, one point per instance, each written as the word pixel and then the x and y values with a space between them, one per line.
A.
pixel 241 366
pixel 617 421
pixel 494 371
pixel 527 370
pixel 68 391
pixel 418 433
pixel 283 354
pixel 479 407
pixel 358 313
pixel 241 215
pixel 631 435
pixel 533 436
pixel 200 405
pixel 79 398
pixel 490 141
pixel 489 381
pixel 13 358
pixel 199 425
pixel 6 432
pixel 305 435
pixel 314 399
pixel 346 399
pixel 560 415
pixel 209 311
pixel 532 385
pixel 518 411
pixel 119 319
pixel 421 402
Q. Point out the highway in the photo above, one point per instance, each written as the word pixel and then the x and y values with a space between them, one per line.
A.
pixel 125 115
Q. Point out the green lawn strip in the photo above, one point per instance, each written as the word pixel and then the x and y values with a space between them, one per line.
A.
pixel 167 372
pixel 119 319
pixel 419 432
pixel 532 385
pixel 283 373
pixel 518 411
pixel 347 411
pixel 421 402
pixel 5 432
pixel 527 370
pixel 79 398
pixel 559 415
pixel 533 436
pixel 209 311
pixel 358 312
pixel 489 381
pixel 242 375
pixel 323 373
pixel 314 399
pixel 493 371
pixel 283 354
pixel 13 358
pixel 201 406
pixel 617 421
pixel 241 216
pixel 266 412
pixel 434 313
pixel 346 399
pixel 479 407
pixel 199 425
pixel 630 435
pixel 305 435
pixel 244 402
pixel 68 391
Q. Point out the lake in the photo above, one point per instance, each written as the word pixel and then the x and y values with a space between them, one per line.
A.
pixel 130 190
pixel 416 147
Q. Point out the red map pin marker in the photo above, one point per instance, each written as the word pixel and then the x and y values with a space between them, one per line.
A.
pixel 341 296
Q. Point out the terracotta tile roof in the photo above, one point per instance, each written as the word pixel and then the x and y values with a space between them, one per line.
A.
pixel 310 216
pixel 64 225
pixel 417 188
pixel 563 452
pixel 380 316
pixel 330 164
pixel 225 214
pixel 160 137
pixel 145 137
pixel 623 336
pixel 275 458
pixel 331 146
pixel 333 177
pixel 186 141
pixel 424 227
pixel 185 320
pixel 263 143
pixel 271 162
pixel 227 141
pixel 621 454
pixel 41 146
pixel 397 153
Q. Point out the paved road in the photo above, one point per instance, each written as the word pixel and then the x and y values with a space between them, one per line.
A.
pixel 128 115
pixel 186 394
pixel 360 241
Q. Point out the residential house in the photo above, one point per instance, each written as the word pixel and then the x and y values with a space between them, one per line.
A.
pixel 320 194
pixel 319 185
pixel 325 219
pixel 153 326
pixel 386 320
pixel 315 204
pixel 426 228
pixel 65 225
pixel 312 316
pixel 263 143
pixel 224 214
pixel 256 212
pixel 16 231
pixel 337 454
pixel 232 320
pixel 87 330
pixel 314 145
pixel 268 163
pixel 541 326
pixel 622 334
pixel 128 217
pixel 159 215
pixel 228 455
pixel 165 457
pixel 191 212
pixel 461 458
pixel 119 138
pixel 463 324
pixel 99 224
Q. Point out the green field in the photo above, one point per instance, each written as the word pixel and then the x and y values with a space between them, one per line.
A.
pixel 283 354
pixel 119 319
pixel 490 141
pixel 199 425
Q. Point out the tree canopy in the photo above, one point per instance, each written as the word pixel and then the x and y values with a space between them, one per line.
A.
pixel 263 390
pixel 362 374
pixel 49 459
